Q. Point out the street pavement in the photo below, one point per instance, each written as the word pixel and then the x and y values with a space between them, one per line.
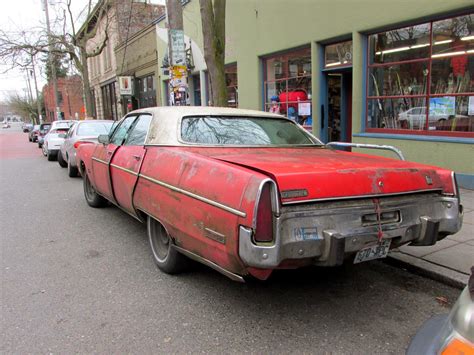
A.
pixel 80 280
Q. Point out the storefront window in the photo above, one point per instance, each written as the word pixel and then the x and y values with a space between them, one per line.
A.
pixel 288 85
pixel 338 54
pixel 421 78
pixel 146 91
pixel 232 85
pixel 109 102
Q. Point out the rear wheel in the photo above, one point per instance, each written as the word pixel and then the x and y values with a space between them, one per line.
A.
pixel 51 156
pixel 93 199
pixel 167 258
pixel 71 170
pixel 61 161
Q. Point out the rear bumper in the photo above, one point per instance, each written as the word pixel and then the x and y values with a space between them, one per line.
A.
pixel 326 233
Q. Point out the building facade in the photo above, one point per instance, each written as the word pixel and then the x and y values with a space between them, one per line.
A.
pixel 122 20
pixel 70 99
pixel 382 72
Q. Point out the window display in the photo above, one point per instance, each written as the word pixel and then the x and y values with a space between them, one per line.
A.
pixel 287 85
pixel 421 78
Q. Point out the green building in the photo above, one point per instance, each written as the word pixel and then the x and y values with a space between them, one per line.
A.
pixel 372 71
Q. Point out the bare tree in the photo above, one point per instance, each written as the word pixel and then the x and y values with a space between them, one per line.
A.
pixel 24 107
pixel 213 31
pixel 16 48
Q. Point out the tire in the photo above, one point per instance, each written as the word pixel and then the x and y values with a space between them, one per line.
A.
pixel 51 156
pixel 40 145
pixel 61 161
pixel 72 171
pixel 93 199
pixel 167 258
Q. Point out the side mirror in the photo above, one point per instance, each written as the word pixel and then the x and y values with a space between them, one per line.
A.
pixel 103 138
pixel 62 135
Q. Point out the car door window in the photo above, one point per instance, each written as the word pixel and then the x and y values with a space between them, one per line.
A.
pixel 137 134
pixel 121 132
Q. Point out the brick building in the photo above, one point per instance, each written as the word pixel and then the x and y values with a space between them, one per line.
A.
pixel 70 99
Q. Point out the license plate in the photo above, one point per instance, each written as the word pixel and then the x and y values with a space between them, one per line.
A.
pixel 377 251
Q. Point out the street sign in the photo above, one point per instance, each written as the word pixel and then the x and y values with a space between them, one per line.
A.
pixel 178 48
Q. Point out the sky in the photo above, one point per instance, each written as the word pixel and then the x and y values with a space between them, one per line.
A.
pixel 28 15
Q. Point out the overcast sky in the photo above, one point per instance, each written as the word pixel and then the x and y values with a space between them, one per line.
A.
pixel 28 15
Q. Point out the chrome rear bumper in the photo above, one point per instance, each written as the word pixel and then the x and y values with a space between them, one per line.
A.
pixel 326 233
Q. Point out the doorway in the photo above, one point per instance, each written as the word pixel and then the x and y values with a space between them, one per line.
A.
pixel 339 106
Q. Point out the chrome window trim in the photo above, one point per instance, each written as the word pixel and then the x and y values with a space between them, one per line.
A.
pixel 195 196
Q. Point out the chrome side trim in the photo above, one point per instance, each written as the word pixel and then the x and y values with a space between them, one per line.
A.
pixel 358 196
pixel 209 263
pixel 368 146
pixel 100 160
pixel 216 236
pixel 197 197
pixel 125 169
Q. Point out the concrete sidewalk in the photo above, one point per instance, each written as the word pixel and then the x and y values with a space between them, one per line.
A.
pixel 451 259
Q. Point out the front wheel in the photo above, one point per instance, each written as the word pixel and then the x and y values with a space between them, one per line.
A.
pixel 93 199
pixel 166 257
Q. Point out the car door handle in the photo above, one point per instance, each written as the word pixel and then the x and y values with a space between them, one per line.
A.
pixel 137 157
pixel 109 152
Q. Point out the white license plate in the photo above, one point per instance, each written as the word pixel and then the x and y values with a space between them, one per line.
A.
pixel 377 251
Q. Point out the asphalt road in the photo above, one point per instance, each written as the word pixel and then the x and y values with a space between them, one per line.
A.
pixel 80 280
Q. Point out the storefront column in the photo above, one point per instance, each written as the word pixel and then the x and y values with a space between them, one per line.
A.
pixel 317 61
pixel 202 81
pixel 359 50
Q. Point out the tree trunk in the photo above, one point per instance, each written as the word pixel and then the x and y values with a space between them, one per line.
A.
pixel 213 31
pixel 86 84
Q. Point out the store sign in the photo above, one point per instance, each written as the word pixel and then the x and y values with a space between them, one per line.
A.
pixel 178 48
pixel 125 85
pixel 443 106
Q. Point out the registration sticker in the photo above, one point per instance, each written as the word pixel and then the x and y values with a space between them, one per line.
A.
pixel 377 251
pixel 306 233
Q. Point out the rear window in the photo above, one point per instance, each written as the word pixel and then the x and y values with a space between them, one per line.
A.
pixel 93 128
pixel 229 130
pixel 59 130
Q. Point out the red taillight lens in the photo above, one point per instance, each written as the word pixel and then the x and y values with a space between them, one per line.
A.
pixel 78 143
pixel 264 221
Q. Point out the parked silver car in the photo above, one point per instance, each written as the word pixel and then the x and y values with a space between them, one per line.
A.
pixel 82 132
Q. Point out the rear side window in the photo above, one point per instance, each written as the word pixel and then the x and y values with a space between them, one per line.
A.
pixel 138 133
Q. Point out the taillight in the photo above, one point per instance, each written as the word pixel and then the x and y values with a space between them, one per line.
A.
pixel 264 217
pixel 78 143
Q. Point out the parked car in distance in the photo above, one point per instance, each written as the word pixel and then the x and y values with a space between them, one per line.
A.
pixel 27 127
pixel 55 137
pixel 33 135
pixel 247 192
pixel 451 333
pixel 43 130
pixel 81 133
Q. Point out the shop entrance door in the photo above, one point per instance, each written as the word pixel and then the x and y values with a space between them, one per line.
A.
pixel 338 127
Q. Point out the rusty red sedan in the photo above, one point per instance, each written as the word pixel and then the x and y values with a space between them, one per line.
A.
pixel 247 192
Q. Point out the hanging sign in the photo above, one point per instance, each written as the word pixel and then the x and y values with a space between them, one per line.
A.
pixel 125 85
pixel 178 49
pixel 442 106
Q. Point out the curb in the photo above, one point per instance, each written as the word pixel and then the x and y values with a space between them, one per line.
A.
pixel 425 268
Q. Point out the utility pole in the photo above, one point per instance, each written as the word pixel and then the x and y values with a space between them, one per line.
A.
pixel 51 62
pixel 38 104
pixel 178 84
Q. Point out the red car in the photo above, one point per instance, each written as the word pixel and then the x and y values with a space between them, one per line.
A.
pixel 248 192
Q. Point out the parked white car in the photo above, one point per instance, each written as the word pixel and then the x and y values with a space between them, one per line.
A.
pixel 415 118
pixel 53 140
pixel 82 132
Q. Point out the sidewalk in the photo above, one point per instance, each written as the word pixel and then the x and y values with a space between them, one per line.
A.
pixel 450 260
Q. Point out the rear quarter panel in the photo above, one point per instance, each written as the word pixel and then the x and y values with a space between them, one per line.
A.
pixel 192 222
